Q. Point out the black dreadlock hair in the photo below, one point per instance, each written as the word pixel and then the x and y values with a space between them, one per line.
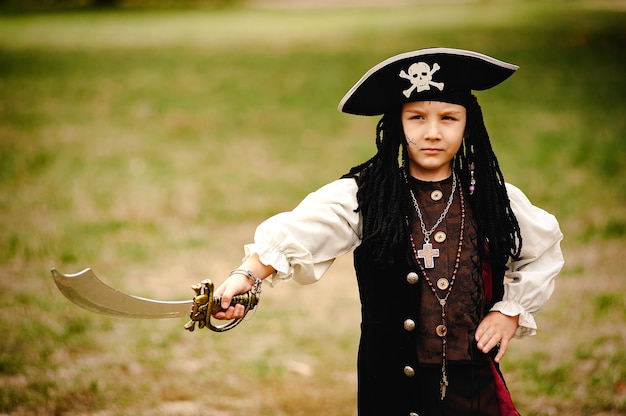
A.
pixel 382 192
pixel 383 202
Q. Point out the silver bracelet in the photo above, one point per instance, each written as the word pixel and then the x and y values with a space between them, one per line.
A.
pixel 256 283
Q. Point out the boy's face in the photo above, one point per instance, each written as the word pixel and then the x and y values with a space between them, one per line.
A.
pixel 434 133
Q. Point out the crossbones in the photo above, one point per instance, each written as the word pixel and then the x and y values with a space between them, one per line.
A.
pixel 421 77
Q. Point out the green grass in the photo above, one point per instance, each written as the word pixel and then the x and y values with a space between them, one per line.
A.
pixel 147 145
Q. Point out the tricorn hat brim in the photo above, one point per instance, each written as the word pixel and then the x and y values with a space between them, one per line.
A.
pixel 424 74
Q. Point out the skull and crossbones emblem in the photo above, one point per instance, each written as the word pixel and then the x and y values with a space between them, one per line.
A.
pixel 421 76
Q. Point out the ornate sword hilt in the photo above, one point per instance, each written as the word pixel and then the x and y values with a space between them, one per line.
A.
pixel 205 304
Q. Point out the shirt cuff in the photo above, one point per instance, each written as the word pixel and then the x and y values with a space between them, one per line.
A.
pixel 526 325
pixel 270 256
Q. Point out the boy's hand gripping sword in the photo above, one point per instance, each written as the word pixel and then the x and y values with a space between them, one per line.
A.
pixel 87 291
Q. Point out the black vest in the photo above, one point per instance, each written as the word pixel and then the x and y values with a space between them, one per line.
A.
pixel 399 361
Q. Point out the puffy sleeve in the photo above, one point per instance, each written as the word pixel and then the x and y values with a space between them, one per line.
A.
pixel 303 243
pixel 529 281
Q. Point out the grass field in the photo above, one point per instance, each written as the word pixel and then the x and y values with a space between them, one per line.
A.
pixel 148 144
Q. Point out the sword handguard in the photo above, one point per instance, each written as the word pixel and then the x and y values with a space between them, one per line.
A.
pixel 205 304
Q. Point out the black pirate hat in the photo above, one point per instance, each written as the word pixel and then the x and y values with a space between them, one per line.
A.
pixel 437 74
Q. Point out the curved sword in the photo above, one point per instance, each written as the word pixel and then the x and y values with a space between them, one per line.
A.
pixel 87 291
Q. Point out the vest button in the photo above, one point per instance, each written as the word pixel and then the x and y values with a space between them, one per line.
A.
pixel 412 278
pixel 440 236
pixel 409 371
pixel 409 325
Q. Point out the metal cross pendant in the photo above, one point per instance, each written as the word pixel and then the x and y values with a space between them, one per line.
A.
pixel 443 385
pixel 428 253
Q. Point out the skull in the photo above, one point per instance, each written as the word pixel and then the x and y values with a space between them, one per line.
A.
pixel 421 74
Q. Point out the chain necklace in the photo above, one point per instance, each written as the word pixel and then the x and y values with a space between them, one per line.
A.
pixel 443 284
pixel 427 252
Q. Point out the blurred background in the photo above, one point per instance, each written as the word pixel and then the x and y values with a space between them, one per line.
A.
pixel 146 139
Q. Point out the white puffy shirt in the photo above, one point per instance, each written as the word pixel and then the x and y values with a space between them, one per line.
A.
pixel 302 244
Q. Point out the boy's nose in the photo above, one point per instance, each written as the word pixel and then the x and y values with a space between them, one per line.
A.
pixel 433 132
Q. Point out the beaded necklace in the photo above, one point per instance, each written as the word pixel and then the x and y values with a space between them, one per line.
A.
pixel 443 284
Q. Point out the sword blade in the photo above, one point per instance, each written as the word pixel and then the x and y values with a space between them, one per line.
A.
pixel 87 291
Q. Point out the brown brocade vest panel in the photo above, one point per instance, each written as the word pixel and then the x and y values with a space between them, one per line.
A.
pixel 464 304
